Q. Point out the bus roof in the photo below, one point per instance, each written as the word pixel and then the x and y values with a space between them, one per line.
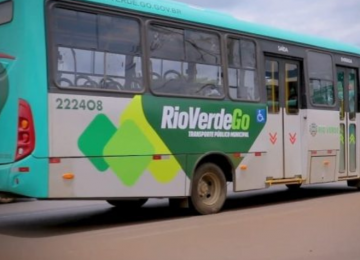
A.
pixel 204 16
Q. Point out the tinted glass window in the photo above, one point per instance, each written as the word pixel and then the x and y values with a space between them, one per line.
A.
pixel 97 51
pixel 322 92
pixel 6 12
pixel 341 93
pixel 119 35
pixel 352 88
pixel 234 51
pixel 185 62
pixel 202 47
pixel 248 54
pixel 77 29
pixel 167 43
pixel 292 83
pixel 321 79
pixel 320 66
pixel 272 86
pixel 242 70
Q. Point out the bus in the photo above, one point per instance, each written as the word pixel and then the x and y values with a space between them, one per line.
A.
pixel 126 100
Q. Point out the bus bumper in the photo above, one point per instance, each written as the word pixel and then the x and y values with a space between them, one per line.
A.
pixel 4 177
pixel 27 178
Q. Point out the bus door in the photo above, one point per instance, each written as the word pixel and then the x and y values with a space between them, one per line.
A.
pixel 347 92
pixel 284 124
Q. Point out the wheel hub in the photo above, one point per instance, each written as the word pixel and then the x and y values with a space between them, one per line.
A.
pixel 204 189
pixel 209 189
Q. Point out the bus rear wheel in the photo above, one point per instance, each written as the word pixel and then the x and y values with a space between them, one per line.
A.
pixel 4 200
pixel 354 183
pixel 128 204
pixel 208 192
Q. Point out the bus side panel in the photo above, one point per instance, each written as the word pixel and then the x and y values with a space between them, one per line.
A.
pixel 323 137
pixel 252 169
pixel 26 178
pixel 133 177
pixel 108 146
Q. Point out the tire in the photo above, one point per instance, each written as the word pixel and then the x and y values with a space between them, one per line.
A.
pixel 354 183
pixel 4 200
pixel 293 186
pixel 208 192
pixel 128 204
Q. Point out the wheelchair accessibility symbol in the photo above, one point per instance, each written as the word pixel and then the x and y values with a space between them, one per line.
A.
pixel 261 116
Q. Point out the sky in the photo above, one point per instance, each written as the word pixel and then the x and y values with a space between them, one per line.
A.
pixel 334 19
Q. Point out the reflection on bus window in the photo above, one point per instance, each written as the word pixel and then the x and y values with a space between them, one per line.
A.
pixel 97 51
pixel 321 79
pixel 352 94
pixel 291 89
pixel 242 70
pixel 341 93
pixel 322 92
pixel 185 62
pixel 167 43
pixel 272 86
pixel 202 47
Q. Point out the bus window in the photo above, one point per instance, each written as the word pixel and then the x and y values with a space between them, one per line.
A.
pixel 321 79
pixel 185 62
pixel 341 93
pixel 202 47
pixel 352 94
pixel 292 82
pixel 272 86
pixel 97 51
pixel 6 12
pixel 167 43
pixel 242 70
pixel 322 92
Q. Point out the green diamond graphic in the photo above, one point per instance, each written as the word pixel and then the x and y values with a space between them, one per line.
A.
pixel 93 140
pixel 130 153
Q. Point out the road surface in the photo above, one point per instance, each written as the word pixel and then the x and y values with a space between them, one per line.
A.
pixel 319 222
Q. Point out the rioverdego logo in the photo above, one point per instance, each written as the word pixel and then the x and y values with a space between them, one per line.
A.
pixel 196 119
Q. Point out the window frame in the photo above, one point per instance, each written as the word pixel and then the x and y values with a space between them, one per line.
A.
pixel 333 80
pixel 184 26
pixel 258 60
pixel 53 46
pixel 12 11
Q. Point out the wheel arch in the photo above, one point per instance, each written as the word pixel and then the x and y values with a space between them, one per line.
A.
pixel 219 159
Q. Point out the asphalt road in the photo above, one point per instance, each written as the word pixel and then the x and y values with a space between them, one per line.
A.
pixel 319 222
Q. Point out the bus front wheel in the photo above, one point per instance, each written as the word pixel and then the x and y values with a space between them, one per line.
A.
pixel 208 192
pixel 128 204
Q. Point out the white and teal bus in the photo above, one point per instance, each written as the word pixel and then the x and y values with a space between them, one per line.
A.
pixel 125 100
